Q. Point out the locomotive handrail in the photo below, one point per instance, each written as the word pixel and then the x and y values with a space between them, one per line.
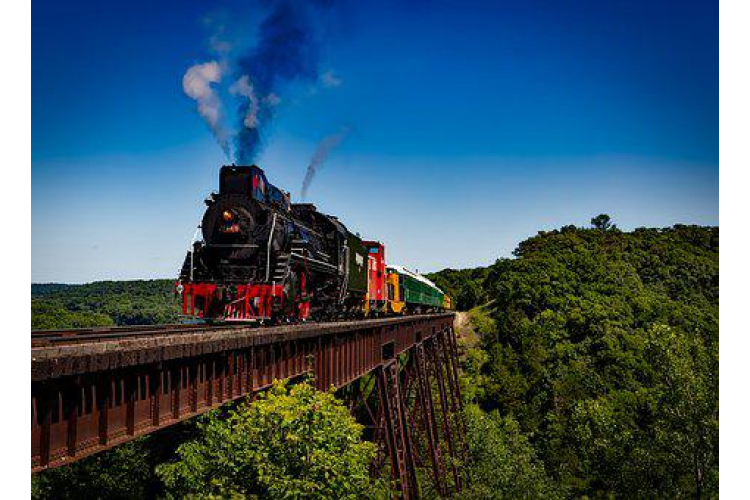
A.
pixel 314 264
pixel 268 252
pixel 315 261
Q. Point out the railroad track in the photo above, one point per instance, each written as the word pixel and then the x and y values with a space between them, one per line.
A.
pixel 46 338
pixel 94 388
pixel 51 338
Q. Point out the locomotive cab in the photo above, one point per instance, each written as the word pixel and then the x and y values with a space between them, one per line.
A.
pixel 251 182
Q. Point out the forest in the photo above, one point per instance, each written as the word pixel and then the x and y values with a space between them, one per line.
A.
pixel 601 348
pixel 590 368
pixel 103 303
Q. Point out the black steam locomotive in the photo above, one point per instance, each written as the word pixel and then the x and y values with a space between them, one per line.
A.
pixel 262 257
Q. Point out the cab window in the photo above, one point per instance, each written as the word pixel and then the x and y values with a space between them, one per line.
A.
pixel 259 187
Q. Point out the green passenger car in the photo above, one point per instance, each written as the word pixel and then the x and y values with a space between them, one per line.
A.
pixel 417 291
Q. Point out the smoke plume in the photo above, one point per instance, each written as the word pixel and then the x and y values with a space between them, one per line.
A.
pixel 197 84
pixel 244 88
pixel 325 146
pixel 286 52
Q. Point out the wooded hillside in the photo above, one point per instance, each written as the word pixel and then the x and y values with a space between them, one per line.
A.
pixel 103 303
pixel 603 346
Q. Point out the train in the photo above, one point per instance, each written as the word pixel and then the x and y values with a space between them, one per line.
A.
pixel 263 259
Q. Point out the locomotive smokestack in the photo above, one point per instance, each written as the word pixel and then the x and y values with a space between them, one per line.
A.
pixel 325 146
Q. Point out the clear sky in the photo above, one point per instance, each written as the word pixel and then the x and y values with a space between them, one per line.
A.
pixel 473 126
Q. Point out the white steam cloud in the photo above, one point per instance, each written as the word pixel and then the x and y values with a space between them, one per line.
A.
pixel 197 84
pixel 239 90
pixel 272 99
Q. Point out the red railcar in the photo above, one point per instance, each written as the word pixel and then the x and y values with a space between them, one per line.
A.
pixel 377 293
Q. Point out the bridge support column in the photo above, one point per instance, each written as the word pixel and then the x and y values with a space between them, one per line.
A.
pixel 437 367
pixel 451 350
pixel 429 421
pixel 398 442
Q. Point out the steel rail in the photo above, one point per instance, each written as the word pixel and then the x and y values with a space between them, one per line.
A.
pixel 47 338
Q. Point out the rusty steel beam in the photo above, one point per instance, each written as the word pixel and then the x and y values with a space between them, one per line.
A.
pixel 92 394
pixel 428 365
pixel 429 420
pixel 395 430
pixel 437 367
pixel 451 350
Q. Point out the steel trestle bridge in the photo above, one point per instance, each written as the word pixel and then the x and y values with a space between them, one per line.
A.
pixel 93 389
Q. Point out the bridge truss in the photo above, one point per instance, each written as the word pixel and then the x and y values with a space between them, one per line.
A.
pixel 95 389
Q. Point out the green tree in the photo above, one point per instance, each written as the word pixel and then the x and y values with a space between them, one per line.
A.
pixel 593 327
pixel 121 473
pixel 603 347
pixel 469 296
pixel 602 222
pixel 103 303
pixel 687 416
pixel 48 314
pixel 503 463
pixel 291 443
pixel 464 286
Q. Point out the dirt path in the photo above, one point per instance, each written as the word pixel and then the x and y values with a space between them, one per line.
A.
pixel 461 323
pixel 465 332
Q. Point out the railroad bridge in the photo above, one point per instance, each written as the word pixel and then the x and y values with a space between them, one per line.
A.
pixel 93 389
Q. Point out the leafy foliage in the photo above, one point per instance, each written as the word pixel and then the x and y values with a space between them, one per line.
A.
pixel 463 285
pixel 121 473
pixel 604 349
pixel 502 464
pixel 103 303
pixel 603 222
pixel 592 357
pixel 48 315
pixel 291 443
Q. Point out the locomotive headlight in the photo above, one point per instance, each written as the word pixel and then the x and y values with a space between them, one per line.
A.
pixel 227 215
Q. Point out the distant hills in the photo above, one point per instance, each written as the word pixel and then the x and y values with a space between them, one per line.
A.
pixel 103 303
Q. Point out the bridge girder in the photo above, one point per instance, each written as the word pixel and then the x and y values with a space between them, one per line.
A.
pixel 90 396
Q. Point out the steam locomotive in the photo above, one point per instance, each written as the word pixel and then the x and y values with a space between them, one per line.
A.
pixel 263 258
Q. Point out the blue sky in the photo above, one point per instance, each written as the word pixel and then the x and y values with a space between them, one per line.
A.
pixel 474 125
